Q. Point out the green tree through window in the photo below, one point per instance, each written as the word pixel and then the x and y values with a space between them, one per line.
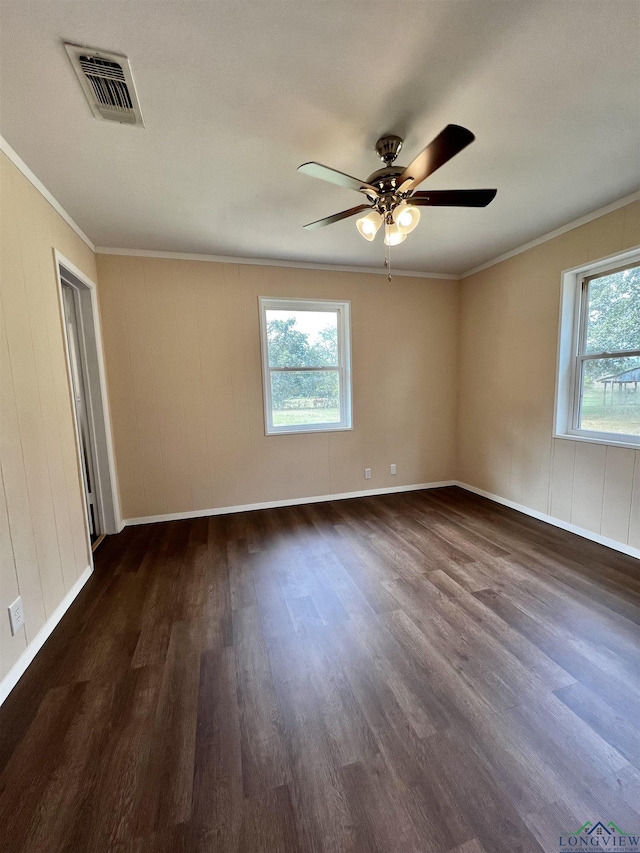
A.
pixel 611 391
pixel 613 322
pixel 289 347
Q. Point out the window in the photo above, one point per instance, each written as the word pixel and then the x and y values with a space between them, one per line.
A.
pixel 305 365
pixel 601 385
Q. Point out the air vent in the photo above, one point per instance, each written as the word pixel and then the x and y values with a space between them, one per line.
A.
pixel 107 83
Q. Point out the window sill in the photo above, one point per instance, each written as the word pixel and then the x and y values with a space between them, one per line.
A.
pixel 596 439
pixel 308 430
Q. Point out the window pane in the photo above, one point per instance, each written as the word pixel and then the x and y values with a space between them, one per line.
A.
pixel 302 338
pixel 611 395
pixel 613 316
pixel 305 397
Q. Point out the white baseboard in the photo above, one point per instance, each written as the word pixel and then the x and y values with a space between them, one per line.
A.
pixel 556 522
pixel 549 519
pixel 225 510
pixel 17 670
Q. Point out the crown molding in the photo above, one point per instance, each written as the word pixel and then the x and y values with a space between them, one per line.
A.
pixel 589 217
pixel 19 163
pixel 268 262
pixel 576 223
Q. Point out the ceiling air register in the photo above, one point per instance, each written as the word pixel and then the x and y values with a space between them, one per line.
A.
pixel 107 83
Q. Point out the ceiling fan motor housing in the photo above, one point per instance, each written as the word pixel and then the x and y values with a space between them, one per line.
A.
pixel 384 179
pixel 386 182
pixel 388 148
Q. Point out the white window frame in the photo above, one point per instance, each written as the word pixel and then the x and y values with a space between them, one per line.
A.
pixel 570 356
pixel 343 310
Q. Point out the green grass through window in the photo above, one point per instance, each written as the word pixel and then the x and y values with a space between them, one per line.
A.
pixel 299 417
pixel 622 415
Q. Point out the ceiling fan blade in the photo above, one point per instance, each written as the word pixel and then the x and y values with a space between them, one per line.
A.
pixel 453 198
pixel 317 170
pixel 344 214
pixel 446 145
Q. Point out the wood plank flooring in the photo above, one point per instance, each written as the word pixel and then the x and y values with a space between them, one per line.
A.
pixel 425 672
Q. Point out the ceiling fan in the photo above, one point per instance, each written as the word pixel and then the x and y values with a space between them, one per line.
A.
pixel 390 191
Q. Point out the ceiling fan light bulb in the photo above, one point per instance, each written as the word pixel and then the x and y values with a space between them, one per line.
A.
pixel 406 217
pixel 393 236
pixel 369 224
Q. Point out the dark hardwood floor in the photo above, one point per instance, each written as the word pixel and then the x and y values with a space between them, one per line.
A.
pixel 420 672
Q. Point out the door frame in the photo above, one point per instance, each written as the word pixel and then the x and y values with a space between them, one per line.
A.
pixel 90 339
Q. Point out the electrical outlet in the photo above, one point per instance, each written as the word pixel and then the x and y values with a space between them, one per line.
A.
pixel 16 616
pixel 393 469
pixel 367 473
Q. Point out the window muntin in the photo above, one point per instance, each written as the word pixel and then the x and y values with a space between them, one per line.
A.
pixel 607 363
pixel 306 365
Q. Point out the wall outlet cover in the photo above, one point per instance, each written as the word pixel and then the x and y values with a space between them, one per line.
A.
pixel 393 469
pixel 367 473
pixel 16 616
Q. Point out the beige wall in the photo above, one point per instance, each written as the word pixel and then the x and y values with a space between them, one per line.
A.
pixel 184 377
pixel 183 366
pixel 508 342
pixel 43 545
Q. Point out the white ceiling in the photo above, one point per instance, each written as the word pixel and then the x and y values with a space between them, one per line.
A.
pixel 237 94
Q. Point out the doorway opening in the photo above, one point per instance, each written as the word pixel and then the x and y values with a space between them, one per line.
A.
pixel 80 396
pixel 79 307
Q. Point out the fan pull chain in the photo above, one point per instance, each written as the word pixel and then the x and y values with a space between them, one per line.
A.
pixel 387 258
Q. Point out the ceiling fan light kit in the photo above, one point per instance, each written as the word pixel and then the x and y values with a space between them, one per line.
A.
pixel 390 191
